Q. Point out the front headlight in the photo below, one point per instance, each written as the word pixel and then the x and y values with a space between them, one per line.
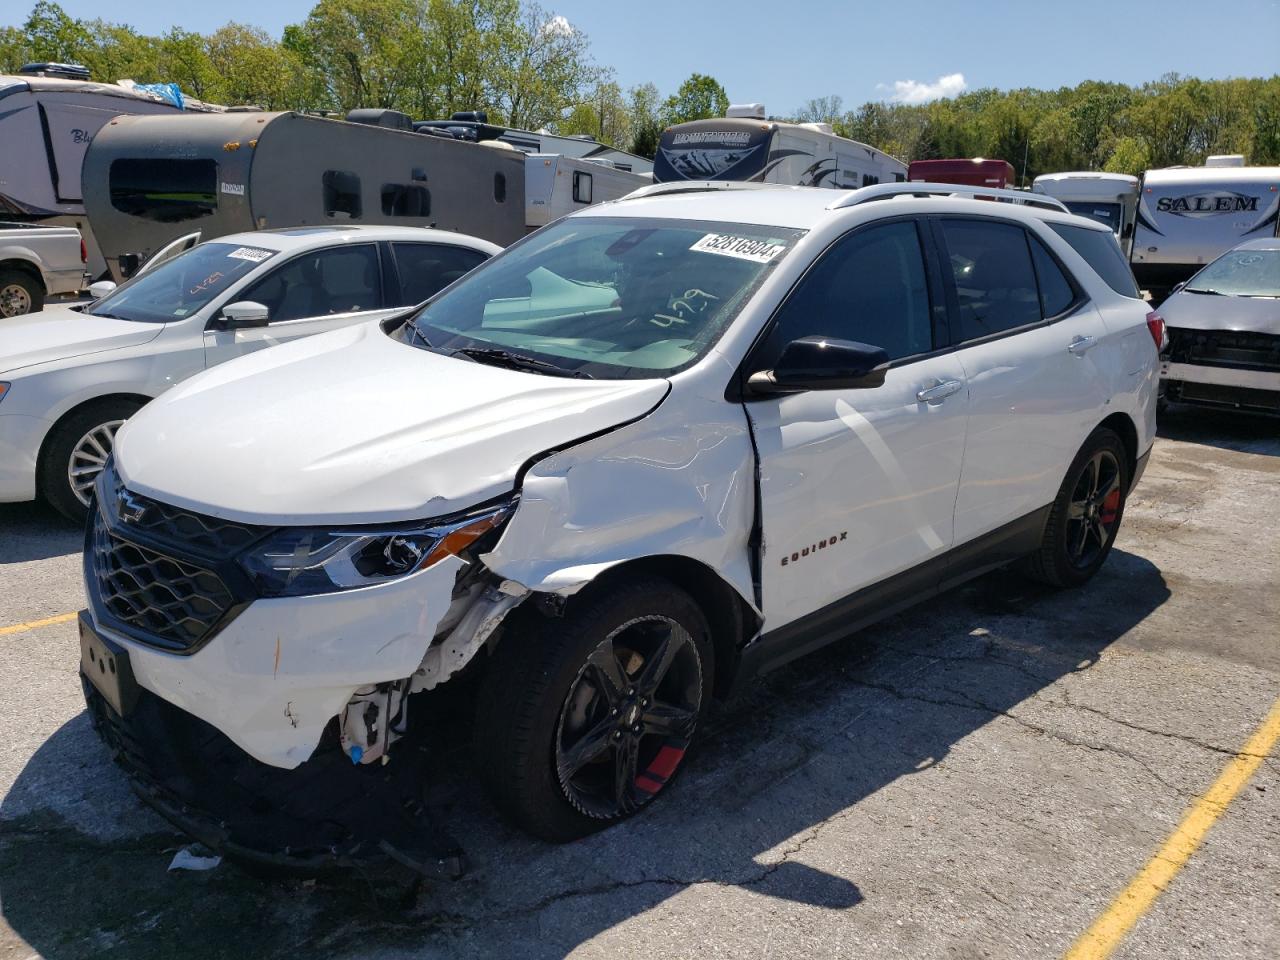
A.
pixel 297 561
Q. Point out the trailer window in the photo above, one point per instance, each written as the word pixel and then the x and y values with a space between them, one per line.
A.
pixel 1101 251
pixel 166 190
pixel 405 200
pixel 341 195
pixel 581 187
pixel 500 188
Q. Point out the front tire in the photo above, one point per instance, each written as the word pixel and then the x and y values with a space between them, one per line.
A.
pixel 76 452
pixel 585 719
pixel 20 293
pixel 1086 514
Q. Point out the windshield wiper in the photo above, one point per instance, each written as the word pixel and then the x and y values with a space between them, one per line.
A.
pixel 518 361
pixel 416 334
pixel 1215 293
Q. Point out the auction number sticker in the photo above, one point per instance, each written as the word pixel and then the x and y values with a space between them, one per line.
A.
pixel 252 254
pixel 743 248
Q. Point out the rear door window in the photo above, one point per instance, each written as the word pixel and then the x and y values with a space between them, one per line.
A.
pixel 321 282
pixel 427 268
pixel 1101 251
pixel 1057 294
pixel 994 281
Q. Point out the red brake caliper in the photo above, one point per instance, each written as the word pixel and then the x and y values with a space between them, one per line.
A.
pixel 655 777
pixel 1110 507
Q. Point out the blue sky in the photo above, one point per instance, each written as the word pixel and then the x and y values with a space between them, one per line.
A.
pixel 782 52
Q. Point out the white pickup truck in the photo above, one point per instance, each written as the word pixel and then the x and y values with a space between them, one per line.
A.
pixel 37 261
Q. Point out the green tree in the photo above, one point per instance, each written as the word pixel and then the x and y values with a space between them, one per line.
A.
pixel 542 69
pixel 604 114
pixel 54 36
pixel 1128 155
pixel 360 50
pixel 697 98
pixel 646 121
pixel 821 110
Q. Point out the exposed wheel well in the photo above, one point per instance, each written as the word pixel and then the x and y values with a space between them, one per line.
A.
pixel 731 619
pixel 1128 433
pixel 24 266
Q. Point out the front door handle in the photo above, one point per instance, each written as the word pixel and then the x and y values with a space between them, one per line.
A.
pixel 939 391
pixel 1081 345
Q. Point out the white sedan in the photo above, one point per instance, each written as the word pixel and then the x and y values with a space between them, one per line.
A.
pixel 70 376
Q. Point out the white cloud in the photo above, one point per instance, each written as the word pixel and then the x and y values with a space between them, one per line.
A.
pixel 912 91
pixel 558 26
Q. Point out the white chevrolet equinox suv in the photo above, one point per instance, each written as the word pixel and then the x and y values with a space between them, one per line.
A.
pixel 640 456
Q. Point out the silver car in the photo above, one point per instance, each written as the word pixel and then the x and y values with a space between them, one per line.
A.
pixel 1224 332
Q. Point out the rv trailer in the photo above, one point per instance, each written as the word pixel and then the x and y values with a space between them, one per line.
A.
pixel 1109 198
pixel 149 180
pixel 978 172
pixel 555 185
pixel 46 124
pixel 1189 216
pixel 744 145
pixel 474 125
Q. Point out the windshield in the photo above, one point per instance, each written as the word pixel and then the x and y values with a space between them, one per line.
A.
pixel 1107 213
pixel 1240 273
pixel 621 298
pixel 178 288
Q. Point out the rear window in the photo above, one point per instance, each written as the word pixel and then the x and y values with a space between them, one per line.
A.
pixel 1101 251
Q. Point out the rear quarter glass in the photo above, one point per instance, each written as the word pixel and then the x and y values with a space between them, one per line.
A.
pixel 1101 251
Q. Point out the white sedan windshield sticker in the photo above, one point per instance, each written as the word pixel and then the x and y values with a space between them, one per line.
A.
pixel 252 254
pixel 744 248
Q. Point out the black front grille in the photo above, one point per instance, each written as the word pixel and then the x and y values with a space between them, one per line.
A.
pixel 186 531
pixel 161 575
pixel 153 597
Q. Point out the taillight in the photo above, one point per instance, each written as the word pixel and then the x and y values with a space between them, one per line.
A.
pixel 1155 323
pixel 84 254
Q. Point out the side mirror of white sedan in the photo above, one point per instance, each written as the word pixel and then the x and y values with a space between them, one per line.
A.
pixel 101 288
pixel 243 313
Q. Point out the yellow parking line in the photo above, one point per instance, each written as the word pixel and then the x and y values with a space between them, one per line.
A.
pixel 33 624
pixel 1136 899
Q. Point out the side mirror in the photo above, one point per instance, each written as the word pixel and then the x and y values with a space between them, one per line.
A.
pixel 821 363
pixel 242 314
pixel 101 288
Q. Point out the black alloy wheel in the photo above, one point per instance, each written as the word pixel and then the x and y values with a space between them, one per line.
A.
pixel 585 718
pixel 1094 509
pixel 628 718
pixel 1086 514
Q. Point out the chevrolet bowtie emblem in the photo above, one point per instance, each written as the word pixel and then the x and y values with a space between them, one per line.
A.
pixel 130 509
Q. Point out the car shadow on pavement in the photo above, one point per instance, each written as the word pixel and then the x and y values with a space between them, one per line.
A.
pixel 1228 429
pixel 34 531
pixel 792 755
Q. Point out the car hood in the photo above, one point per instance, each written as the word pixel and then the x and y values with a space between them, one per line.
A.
pixel 1204 311
pixel 356 427
pixel 61 333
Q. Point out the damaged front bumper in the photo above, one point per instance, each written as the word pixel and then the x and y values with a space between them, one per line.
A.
pixel 1223 368
pixel 326 814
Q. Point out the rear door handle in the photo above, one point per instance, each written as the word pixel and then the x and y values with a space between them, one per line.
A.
pixel 1082 345
pixel 939 390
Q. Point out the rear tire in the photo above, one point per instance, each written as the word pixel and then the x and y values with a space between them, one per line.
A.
pixel 584 719
pixel 20 293
pixel 1086 514
pixel 78 447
